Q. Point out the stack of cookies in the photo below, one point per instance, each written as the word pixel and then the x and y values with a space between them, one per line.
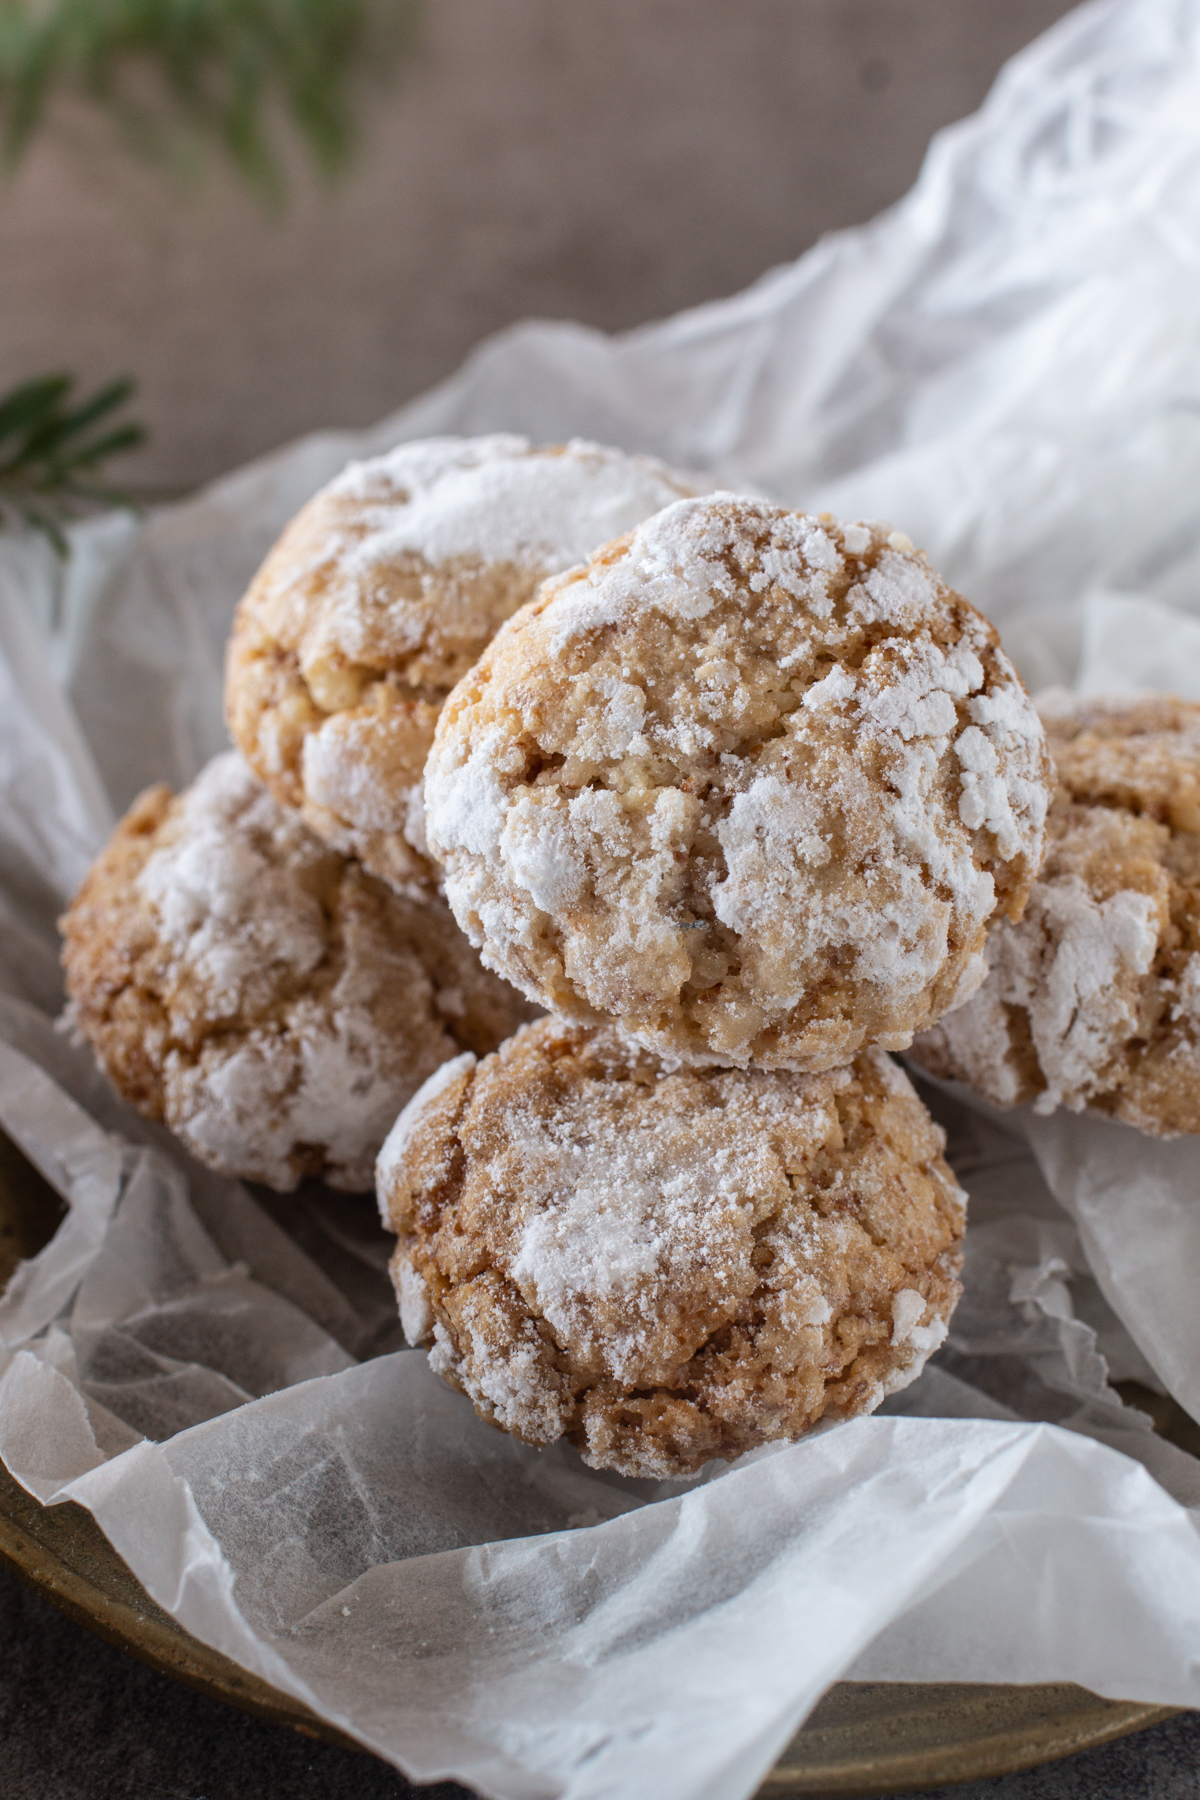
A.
pixel 737 802
pixel 732 794
pixel 265 963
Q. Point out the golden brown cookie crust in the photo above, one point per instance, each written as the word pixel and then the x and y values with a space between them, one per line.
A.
pixel 1093 999
pixel 665 1267
pixel 266 998
pixel 751 783
pixel 380 595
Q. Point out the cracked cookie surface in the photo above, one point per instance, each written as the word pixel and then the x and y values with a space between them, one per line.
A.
pixel 752 784
pixel 263 996
pixel 665 1267
pixel 381 593
pixel 1093 999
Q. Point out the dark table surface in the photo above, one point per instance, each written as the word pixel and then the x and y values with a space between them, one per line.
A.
pixel 81 1721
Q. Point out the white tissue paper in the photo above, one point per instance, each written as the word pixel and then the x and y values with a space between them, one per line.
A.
pixel 1007 366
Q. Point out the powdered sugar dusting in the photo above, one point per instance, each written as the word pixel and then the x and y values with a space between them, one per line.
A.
pixel 1093 999
pixel 246 1105
pixel 1073 966
pixel 1187 1000
pixel 467 794
pixel 908 1309
pixel 378 599
pixel 341 774
pixel 1085 1000
pixel 514 1388
pixel 625 1214
pixel 666 1266
pixel 772 727
pixel 416 1313
pixel 224 887
pixel 497 499
pixel 328 1017
pixel 675 564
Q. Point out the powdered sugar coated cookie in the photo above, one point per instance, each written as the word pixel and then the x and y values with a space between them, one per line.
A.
pixel 266 998
pixel 382 593
pixel 667 1267
pixel 751 783
pixel 1093 999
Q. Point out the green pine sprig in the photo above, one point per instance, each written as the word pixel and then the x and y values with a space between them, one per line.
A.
pixel 51 452
pixel 175 74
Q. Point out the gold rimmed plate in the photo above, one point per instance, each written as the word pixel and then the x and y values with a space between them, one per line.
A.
pixel 865 1738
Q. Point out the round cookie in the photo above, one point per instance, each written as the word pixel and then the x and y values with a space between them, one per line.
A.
pixel 381 593
pixel 751 784
pixel 1093 999
pixel 667 1266
pixel 266 998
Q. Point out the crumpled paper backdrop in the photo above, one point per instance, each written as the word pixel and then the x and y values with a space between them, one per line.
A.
pixel 1007 366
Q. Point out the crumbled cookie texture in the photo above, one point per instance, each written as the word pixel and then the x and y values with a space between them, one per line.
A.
pixel 380 595
pixel 260 994
pixel 668 1265
pixel 752 784
pixel 1093 999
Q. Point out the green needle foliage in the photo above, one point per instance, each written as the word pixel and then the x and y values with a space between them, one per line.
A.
pixel 179 74
pixel 51 452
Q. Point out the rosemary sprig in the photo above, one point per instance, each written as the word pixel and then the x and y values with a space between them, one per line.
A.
pixel 176 73
pixel 51 452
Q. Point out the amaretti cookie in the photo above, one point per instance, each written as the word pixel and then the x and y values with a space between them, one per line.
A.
pixel 381 594
pixel 1093 999
pixel 752 784
pixel 268 999
pixel 664 1267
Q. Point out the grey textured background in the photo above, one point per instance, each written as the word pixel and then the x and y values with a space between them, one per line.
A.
pixel 80 1721
pixel 609 161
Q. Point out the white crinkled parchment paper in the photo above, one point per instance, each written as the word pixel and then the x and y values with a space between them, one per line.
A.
pixel 1006 365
